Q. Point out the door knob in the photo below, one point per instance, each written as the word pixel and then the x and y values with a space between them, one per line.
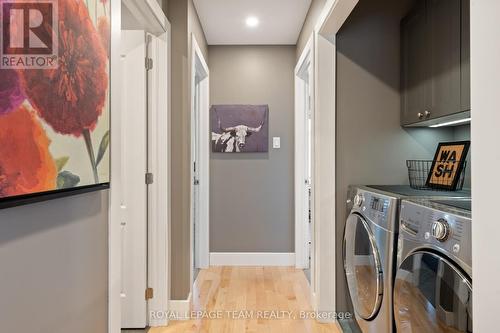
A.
pixel 427 114
pixel 420 115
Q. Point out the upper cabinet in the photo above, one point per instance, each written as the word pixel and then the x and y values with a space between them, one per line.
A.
pixel 414 65
pixel 465 56
pixel 435 61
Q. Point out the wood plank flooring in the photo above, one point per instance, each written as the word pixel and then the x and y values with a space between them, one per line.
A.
pixel 250 291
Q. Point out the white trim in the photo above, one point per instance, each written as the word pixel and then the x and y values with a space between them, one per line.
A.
pixel 333 16
pixel 301 210
pixel 148 12
pixel 325 159
pixel 485 103
pixel 114 228
pixel 181 308
pixel 149 8
pixel 159 191
pixel 202 233
pixel 251 259
pixel 331 19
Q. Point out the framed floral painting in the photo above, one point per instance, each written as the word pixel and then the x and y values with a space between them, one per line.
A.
pixel 54 98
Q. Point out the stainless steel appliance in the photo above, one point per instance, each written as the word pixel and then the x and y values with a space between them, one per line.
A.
pixel 370 239
pixel 433 285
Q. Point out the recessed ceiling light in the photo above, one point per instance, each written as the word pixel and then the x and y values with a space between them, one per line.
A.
pixel 252 21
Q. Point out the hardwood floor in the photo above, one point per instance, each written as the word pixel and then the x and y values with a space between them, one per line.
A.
pixel 250 292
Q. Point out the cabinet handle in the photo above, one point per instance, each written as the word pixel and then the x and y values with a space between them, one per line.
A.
pixel 420 115
pixel 427 114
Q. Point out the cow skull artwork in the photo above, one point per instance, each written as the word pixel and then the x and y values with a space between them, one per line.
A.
pixel 236 138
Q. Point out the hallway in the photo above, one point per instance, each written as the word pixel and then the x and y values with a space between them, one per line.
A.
pixel 251 291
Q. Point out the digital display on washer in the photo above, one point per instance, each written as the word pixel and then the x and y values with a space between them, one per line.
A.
pixel 378 204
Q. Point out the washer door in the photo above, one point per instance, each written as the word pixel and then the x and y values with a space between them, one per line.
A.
pixel 363 267
pixel 431 295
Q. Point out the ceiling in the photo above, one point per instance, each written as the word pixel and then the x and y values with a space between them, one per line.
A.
pixel 224 21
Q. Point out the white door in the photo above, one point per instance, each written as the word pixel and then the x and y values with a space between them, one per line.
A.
pixel 308 145
pixel 200 145
pixel 158 170
pixel 304 152
pixel 134 204
pixel 196 164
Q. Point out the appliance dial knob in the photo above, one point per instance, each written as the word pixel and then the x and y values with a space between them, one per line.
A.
pixel 358 200
pixel 440 230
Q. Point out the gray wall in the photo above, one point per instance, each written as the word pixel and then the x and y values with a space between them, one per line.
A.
pixel 309 24
pixel 371 145
pixel 195 28
pixel 251 194
pixel 54 274
pixel 179 248
pixel 184 21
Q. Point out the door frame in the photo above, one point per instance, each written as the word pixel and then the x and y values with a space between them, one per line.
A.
pixel 152 10
pixel 331 19
pixel 134 191
pixel 485 100
pixel 160 190
pixel 202 238
pixel 301 211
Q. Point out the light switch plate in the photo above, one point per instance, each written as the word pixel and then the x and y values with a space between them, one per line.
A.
pixel 276 142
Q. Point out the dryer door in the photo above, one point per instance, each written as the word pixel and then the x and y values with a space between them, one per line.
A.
pixel 363 267
pixel 432 295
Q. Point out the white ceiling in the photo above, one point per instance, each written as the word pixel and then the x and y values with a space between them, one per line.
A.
pixel 224 21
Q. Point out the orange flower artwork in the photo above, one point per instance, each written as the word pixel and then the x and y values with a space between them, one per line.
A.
pixel 104 29
pixel 26 165
pixel 78 85
pixel 55 120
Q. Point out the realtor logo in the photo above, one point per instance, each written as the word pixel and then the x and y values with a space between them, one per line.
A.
pixel 29 34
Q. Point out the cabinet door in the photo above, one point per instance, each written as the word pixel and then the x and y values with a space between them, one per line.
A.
pixel 414 65
pixel 444 24
pixel 465 70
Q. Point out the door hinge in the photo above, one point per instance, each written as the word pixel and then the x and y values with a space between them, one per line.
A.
pixel 149 293
pixel 149 64
pixel 149 178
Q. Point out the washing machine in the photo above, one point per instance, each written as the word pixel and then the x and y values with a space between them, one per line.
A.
pixel 370 243
pixel 433 284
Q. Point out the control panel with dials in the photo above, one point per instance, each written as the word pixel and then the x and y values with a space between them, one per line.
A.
pixel 438 227
pixel 378 208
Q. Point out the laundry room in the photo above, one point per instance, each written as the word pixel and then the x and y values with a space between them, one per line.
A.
pixel 402 88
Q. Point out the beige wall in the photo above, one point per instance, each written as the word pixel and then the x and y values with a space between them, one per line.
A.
pixel 309 23
pixel 251 194
pixel 194 27
pixel 184 20
pixel 54 274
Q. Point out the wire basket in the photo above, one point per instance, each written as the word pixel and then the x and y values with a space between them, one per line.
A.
pixel 418 172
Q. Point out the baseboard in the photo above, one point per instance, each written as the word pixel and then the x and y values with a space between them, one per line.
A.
pixel 251 259
pixel 314 300
pixel 181 308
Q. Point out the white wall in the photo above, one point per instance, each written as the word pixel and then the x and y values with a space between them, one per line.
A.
pixel 485 77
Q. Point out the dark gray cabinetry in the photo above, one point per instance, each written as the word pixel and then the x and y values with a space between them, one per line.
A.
pixel 465 55
pixel 435 70
pixel 414 66
pixel 443 17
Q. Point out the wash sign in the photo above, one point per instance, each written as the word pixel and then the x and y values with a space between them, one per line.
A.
pixel 448 165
